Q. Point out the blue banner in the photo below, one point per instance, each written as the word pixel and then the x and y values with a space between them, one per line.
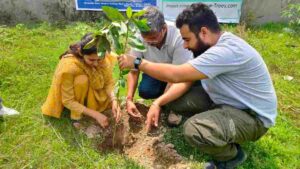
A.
pixel 227 11
pixel 95 5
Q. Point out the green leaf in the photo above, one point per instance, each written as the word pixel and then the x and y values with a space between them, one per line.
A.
pixel 137 48
pixel 105 31
pixel 129 12
pixel 101 54
pixel 91 43
pixel 125 72
pixel 101 32
pixel 115 40
pixel 113 14
pixel 138 14
pixel 122 82
pixel 136 44
pixel 135 40
pixel 116 24
pixel 103 46
pixel 142 25
pixel 97 33
pixel 123 28
pixel 105 43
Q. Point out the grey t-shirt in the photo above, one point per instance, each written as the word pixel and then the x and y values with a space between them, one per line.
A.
pixel 171 52
pixel 238 77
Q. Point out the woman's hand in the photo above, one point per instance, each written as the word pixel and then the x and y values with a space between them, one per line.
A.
pixel 116 110
pixel 99 117
pixel 102 120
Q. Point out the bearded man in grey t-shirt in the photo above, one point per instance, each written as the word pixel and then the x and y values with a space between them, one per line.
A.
pixel 232 73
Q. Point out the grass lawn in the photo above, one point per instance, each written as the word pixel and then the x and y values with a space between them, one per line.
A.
pixel 28 57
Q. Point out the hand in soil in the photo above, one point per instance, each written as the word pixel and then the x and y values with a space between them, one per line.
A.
pixel 132 110
pixel 129 137
pixel 116 110
pixel 102 120
pixel 152 117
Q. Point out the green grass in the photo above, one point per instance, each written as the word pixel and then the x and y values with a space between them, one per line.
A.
pixel 29 54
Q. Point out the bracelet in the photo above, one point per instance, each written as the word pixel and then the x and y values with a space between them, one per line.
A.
pixel 129 99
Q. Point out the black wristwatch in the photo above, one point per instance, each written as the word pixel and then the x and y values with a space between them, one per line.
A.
pixel 137 62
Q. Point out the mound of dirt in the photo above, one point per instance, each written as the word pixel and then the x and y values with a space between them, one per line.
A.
pixel 129 137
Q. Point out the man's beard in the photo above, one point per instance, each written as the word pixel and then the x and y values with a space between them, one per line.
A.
pixel 200 48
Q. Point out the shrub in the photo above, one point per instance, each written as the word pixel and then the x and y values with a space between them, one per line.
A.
pixel 292 13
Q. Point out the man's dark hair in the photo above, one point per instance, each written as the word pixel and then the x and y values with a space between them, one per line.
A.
pixel 196 16
pixel 155 19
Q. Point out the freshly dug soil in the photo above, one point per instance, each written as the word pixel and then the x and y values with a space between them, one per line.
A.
pixel 129 137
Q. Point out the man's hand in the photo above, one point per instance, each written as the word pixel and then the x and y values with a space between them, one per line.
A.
pixel 152 116
pixel 126 61
pixel 132 110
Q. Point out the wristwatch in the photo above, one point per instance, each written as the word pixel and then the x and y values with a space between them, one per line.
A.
pixel 137 62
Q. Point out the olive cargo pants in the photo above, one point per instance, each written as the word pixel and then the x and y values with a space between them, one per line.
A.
pixel 215 130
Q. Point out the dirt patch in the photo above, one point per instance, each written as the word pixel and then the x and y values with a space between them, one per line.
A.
pixel 129 137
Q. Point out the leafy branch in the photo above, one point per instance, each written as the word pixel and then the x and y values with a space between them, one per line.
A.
pixel 118 35
pixel 292 13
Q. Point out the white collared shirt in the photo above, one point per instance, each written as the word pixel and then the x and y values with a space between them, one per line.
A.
pixel 171 52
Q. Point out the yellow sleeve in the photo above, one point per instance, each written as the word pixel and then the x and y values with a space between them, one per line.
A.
pixel 67 93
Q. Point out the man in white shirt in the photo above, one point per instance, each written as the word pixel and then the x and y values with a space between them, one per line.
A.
pixel 164 44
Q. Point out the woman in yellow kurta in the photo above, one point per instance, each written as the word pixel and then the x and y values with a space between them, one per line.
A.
pixel 82 83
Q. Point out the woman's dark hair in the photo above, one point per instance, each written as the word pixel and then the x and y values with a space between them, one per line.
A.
pixel 196 16
pixel 73 49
